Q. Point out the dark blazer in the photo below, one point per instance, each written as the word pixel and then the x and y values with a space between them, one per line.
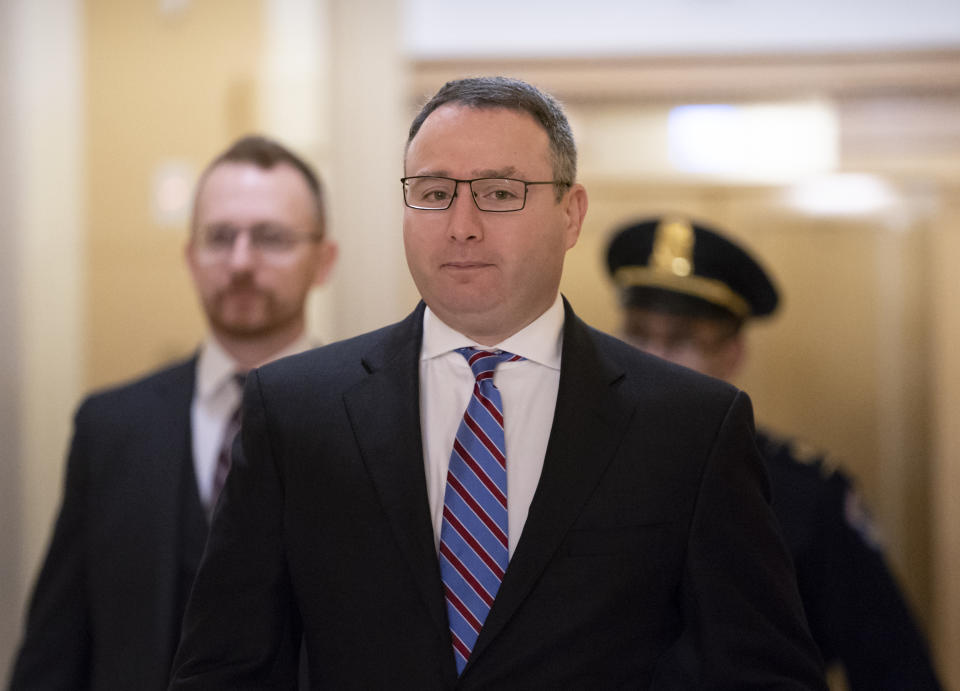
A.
pixel 106 609
pixel 650 551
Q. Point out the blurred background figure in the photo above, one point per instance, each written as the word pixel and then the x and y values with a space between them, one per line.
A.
pixel 149 458
pixel 687 292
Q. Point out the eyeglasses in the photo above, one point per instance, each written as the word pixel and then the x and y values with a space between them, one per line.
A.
pixel 677 342
pixel 489 194
pixel 267 240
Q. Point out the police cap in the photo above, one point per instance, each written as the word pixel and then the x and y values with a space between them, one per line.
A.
pixel 676 265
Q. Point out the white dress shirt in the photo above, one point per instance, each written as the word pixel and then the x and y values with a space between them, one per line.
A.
pixel 215 396
pixel 528 390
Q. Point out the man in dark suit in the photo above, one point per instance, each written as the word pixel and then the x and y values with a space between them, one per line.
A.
pixel 491 494
pixel 687 291
pixel 142 474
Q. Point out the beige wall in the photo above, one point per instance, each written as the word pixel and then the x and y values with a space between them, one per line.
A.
pixel 11 590
pixel 160 87
pixel 944 378
pixel 42 265
pixel 366 98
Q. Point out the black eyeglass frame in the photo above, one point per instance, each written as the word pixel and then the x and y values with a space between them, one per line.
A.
pixel 456 186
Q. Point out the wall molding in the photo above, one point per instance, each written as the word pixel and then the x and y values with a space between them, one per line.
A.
pixel 630 79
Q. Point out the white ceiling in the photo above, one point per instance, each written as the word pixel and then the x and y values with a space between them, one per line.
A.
pixel 484 28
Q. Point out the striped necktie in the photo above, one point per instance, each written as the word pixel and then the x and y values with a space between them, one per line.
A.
pixel 230 431
pixel 473 536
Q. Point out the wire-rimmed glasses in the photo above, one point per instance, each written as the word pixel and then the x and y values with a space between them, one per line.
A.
pixel 267 240
pixel 436 193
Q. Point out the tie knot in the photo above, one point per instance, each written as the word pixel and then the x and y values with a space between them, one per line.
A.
pixel 483 362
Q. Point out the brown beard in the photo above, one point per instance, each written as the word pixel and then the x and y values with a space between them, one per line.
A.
pixel 241 328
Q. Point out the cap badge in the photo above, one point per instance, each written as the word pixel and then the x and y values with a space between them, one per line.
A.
pixel 673 247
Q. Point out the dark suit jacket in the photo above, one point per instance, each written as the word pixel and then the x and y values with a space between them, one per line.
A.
pixel 106 609
pixel 649 553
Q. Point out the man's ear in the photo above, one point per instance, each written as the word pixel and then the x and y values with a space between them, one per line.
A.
pixel 574 208
pixel 327 251
pixel 188 250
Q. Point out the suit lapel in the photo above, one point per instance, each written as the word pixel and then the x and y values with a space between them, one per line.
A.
pixel 587 427
pixel 170 457
pixel 384 411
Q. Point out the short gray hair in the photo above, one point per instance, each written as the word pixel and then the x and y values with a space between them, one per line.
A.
pixel 512 94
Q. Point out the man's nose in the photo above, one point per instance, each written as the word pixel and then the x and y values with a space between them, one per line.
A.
pixel 241 254
pixel 465 217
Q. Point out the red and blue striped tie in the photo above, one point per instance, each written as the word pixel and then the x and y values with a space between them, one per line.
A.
pixel 473 536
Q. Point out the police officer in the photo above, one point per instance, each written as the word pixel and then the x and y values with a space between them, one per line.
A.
pixel 686 293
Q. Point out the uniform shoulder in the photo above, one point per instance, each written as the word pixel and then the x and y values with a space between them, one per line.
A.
pixel 804 476
pixel 804 471
pixel 805 457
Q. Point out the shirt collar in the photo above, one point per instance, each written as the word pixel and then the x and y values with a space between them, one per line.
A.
pixel 540 341
pixel 215 367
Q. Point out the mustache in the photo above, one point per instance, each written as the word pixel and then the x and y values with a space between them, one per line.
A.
pixel 240 283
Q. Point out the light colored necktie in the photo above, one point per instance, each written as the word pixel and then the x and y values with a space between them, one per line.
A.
pixel 473 536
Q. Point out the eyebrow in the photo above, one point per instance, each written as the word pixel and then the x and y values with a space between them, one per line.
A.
pixel 497 173
pixel 506 172
pixel 257 226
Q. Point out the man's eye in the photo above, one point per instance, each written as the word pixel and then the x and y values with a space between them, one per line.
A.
pixel 437 195
pixel 271 238
pixel 220 237
pixel 496 190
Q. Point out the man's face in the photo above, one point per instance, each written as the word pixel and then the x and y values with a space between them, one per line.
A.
pixel 488 274
pixel 251 254
pixel 709 346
